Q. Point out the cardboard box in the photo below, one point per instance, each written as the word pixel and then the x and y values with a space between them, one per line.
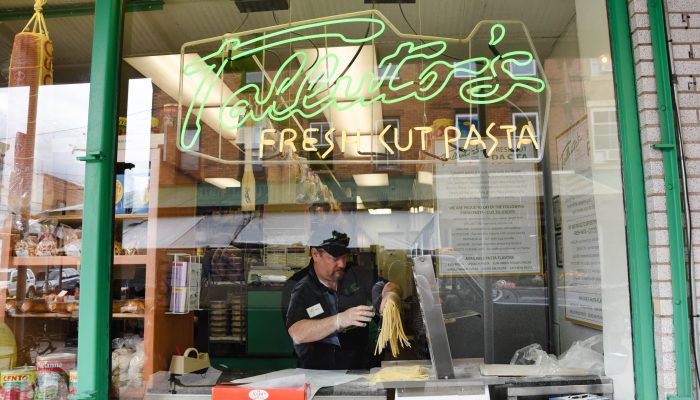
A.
pixel 226 392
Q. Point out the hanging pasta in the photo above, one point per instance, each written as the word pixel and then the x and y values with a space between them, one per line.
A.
pixel 31 65
pixel 391 330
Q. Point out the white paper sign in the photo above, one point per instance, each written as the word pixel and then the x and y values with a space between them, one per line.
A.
pixel 579 226
pixel 488 219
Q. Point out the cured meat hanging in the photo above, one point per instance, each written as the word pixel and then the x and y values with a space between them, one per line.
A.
pixel 31 65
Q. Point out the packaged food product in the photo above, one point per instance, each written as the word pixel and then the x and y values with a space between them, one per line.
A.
pixel 34 305
pixel 47 246
pixel 26 247
pixel 52 375
pixel 73 382
pixel 134 306
pixel 118 248
pixel 70 238
pixel 18 383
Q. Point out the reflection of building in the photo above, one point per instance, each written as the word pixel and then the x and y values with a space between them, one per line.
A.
pixel 59 193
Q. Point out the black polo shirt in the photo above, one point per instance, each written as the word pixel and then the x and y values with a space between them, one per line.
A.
pixel 311 299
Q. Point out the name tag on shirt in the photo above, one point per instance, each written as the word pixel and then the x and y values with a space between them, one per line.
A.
pixel 314 310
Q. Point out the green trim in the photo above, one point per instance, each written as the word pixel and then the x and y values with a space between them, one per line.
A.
pixel 681 326
pixel 635 203
pixel 75 10
pixel 98 200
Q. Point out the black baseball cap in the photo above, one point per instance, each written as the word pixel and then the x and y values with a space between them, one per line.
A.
pixel 335 245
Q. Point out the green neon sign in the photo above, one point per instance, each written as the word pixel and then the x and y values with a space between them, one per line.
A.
pixel 307 95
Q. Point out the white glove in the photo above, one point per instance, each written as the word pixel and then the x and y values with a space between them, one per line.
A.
pixel 355 316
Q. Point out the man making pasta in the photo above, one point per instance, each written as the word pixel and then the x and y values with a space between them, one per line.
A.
pixel 331 306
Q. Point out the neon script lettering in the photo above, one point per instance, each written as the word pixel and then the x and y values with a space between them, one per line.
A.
pixel 307 94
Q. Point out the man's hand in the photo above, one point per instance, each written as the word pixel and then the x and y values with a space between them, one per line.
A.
pixel 355 316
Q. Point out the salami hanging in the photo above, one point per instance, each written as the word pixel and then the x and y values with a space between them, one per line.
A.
pixel 31 66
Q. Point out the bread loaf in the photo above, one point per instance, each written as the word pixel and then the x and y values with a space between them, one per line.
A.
pixel 35 306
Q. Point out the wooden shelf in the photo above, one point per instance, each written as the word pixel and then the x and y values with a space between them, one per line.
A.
pixel 69 316
pixel 73 260
pixel 77 217
pixel 131 216
pixel 127 316
pixel 42 315
pixel 64 217
pixel 49 260
pixel 128 260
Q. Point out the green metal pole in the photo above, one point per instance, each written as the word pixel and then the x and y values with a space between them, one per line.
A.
pixel 98 213
pixel 681 326
pixel 635 203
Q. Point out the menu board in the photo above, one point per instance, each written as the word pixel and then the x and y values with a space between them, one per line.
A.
pixel 488 219
pixel 579 228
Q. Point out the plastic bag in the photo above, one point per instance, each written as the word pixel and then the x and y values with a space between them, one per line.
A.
pixel 70 238
pixel 48 245
pixel 534 355
pixel 585 354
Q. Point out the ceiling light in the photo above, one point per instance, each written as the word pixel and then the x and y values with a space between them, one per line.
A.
pixel 360 204
pixel 223 183
pixel 604 58
pixel 163 71
pixel 425 177
pixel 345 116
pixel 371 179
pixel 379 211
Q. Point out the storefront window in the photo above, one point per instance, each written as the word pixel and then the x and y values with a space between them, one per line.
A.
pixel 44 90
pixel 471 158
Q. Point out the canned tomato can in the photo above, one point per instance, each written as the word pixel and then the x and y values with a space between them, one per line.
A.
pixel 18 383
pixel 52 375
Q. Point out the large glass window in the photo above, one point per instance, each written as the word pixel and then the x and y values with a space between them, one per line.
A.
pixel 470 157
pixel 44 91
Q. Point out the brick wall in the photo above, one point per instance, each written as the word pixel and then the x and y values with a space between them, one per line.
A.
pixel 684 26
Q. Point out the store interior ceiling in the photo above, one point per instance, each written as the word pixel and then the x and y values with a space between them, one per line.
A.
pixel 151 32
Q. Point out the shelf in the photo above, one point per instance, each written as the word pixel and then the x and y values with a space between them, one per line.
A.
pixel 73 260
pixel 68 316
pixel 48 260
pixel 127 316
pixel 79 217
pixel 127 260
pixel 131 216
pixel 42 315
pixel 227 339
pixel 64 217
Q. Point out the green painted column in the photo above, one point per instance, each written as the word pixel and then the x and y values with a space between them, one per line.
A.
pixel 635 203
pixel 668 146
pixel 98 203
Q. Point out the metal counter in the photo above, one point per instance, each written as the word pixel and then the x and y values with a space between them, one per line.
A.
pixel 467 379
pixel 361 388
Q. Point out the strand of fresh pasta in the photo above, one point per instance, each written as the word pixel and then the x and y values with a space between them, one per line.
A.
pixel 391 330
pixel 399 373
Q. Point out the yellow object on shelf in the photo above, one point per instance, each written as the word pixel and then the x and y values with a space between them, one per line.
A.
pixel 8 347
